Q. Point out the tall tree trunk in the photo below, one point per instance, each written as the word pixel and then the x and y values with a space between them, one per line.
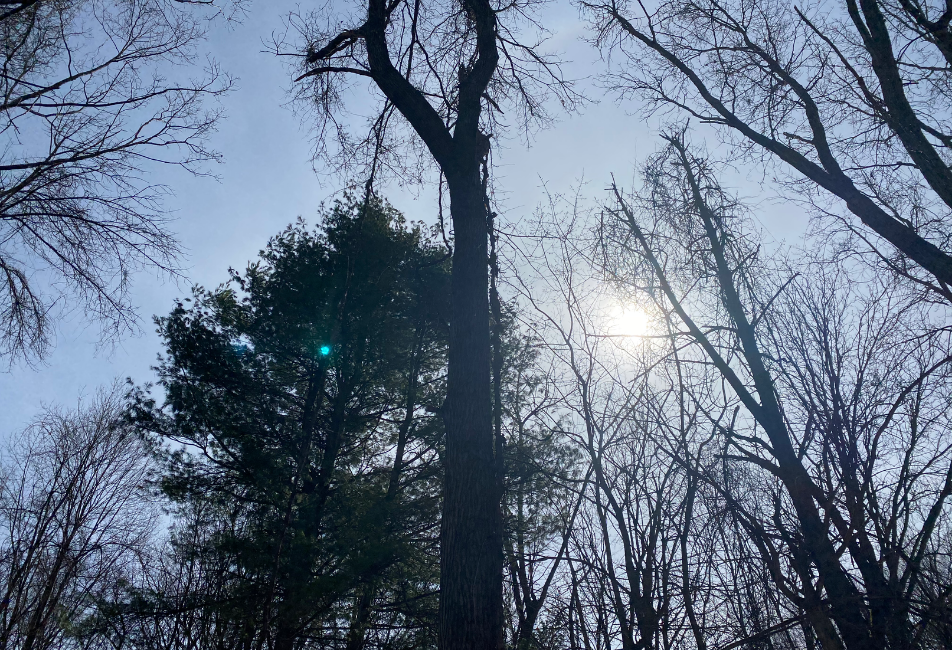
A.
pixel 471 557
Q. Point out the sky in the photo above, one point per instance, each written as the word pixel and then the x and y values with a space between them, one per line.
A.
pixel 267 180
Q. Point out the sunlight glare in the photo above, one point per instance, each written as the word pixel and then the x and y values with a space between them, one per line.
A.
pixel 628 320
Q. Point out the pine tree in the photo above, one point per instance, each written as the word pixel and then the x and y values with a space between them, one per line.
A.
pixel 300 419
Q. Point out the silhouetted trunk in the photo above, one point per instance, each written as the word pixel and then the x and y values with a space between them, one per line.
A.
pixel 284 638
pixel 471 558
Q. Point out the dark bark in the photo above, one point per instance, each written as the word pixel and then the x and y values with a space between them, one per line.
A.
pixel 357 635
pixel 828 174
pixel 470 614
pixel 471 534
pixel 900 116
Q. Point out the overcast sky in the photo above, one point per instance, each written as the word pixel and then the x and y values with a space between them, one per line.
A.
pixel 267 181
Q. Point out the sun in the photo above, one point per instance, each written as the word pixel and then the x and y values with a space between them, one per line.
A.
pixel 628 320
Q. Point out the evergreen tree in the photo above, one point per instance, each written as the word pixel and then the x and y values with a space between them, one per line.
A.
pixel 299 420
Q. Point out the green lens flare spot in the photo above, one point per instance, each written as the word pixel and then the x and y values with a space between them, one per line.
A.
pixel 325 350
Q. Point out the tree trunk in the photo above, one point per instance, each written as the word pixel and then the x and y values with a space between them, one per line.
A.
pixel 471 557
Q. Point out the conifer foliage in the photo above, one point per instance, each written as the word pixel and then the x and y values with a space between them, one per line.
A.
pixel 299 420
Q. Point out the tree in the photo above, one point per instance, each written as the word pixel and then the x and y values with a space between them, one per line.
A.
pixel 87 111
pixel 76 520
pixel 629 409
pixel 838 383
pixel 299 404
pixel 445 67
pixel 181 599
pixel 542 492
pixel 849 98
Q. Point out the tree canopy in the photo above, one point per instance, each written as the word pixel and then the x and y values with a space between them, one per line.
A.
pixel 303 395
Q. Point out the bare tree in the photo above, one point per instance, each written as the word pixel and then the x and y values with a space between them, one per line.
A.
pixel 628 578
pixel 446 67
pixel 87 111
pixel 544 490
pixel 75 520
pixel 851 98
pixel 843 443
pixel 181 599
